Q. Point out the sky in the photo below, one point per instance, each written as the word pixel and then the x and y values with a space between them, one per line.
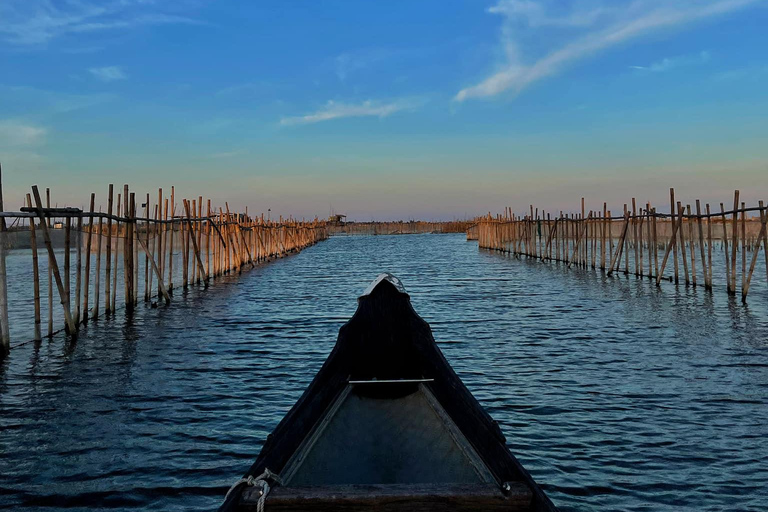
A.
pixel 386 110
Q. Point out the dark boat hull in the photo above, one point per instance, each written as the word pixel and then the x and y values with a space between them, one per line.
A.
pixel 347 444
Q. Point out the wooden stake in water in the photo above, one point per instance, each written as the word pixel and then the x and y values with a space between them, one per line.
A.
pixel 108 259
pixel 692 245
pixel 761 238
pixel 113 299
pixel 700 226
pixel 735 241
pixel 673 229
pixel 70 326
pixel 147 286
pixel 681 233
pixel 35 272
pixel 709 247
pixel 50 270
pixel 97 283
pixel 170 242
pixel 88 258
pixel 79 268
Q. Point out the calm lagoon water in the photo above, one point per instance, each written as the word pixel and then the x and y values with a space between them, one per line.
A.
pixel 616 395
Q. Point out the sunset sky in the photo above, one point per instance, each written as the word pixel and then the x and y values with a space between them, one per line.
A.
pixel 397 109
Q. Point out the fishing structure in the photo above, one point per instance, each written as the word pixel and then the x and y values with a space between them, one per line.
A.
pixel 641 241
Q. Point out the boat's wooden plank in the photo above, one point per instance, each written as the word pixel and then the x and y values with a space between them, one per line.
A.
pixel 410 497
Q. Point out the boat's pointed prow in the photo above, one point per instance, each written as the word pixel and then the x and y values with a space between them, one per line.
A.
pixel 386 424
pixel 385 279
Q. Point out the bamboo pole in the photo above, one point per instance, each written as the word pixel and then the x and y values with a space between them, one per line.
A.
pixel 147 286
pixel 681 234
pixel 128 250
pixel 634 235
pixel 113 299
pixel 152 246
pixel 639 242
pixel 159 241
pixel 735 241
pixel 185 251
pixel 580 237
pixel 672 227
pixel 760 238
pixel 699 222
pixel 194 240
pixel 163 290
pixel 50 270
pixel 649 239
pixel 616 260
pixel 79 270
pixel 166 252
pixel 199 226
pixel 743 247
pixel 208 233
pixel 97 282
pixel 725 249
pixel 67 258
pixel 603 234
pixel 670 246
pixel 70 327
pixel 655 245
pixel 134 253
pixel 692 246
pixel 35 273
pixel 108 259
pixel 624 245
pixel 709 247
pixel 89 240
pixel 170 249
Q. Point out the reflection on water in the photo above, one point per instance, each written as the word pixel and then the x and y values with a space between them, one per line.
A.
pixel 616 395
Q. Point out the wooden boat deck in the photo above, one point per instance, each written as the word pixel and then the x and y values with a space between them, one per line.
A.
pixel 392 498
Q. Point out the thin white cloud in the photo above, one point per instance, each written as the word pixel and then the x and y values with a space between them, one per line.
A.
pixel 108 73
pixel 31 22
pixel 586 32
pixel 669 63
pixel 335 110
pixel 15 133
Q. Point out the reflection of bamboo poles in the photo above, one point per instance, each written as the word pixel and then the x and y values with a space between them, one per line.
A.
pixel 576 240
pixel 250 241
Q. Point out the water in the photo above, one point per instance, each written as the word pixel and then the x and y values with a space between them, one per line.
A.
pixel 614 394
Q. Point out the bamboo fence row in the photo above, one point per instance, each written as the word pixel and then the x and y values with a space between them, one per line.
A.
pixel 398 227
pixel 146 240
pixel 641 241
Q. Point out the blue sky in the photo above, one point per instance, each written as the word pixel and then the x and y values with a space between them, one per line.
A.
pixel 398 109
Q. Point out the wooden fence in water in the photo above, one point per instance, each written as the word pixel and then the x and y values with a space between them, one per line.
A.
pixel 398 227
pixel 641 241
pixel 147 241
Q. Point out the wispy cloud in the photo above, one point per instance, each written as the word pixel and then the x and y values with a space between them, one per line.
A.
pixel 350 62
pixel 15 133
pixel 31 22
pixel 586 31
pixel 335 110
pixel 108 73
pixel 670 63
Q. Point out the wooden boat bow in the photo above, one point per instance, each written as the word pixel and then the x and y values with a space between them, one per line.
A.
pixel 386 424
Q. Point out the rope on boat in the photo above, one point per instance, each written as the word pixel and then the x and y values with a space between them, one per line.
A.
pixel 260 481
